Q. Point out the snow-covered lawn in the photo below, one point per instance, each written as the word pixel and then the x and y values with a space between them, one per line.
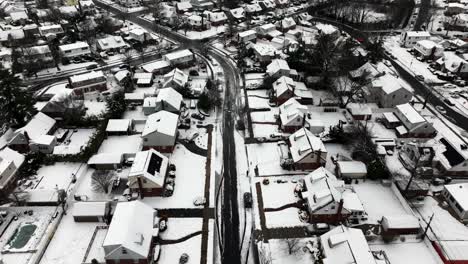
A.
pixel 285 218
pixel 378 200
pixel 181 227
pixel 328 118
pixel 256 102
pixel 267 157
pixel 171 253
pixel 278 194
pixel 121 144
pixel 334 149
pixel 189 183
pixel 264 130
pixel 58 175
pixel 408 252
pixel 136 114
pixel 280 255
pixel 264 116
pixel 78 138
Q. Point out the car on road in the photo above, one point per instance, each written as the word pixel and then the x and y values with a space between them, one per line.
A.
pixel 441 109
pixel 156 253
pixel 198 116
pixel 247 200
pixel 419 78
pixel 91 67
pixel 449 102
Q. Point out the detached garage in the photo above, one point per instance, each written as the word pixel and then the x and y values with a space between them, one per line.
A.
pixel 90 211
pixel 351 169
pixel 400 225
pixel 106 161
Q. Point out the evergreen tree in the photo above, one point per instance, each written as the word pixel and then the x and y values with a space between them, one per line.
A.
pixel 116 105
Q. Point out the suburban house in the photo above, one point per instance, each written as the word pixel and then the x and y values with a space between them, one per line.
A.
pixel 329 201
pixel 199 23
pixel 451 62
pixel 293 116
pixel 428 49
pixel 216 18
pixel 237 14
pixel 88 82
pixel 157 67
pixel 409 38
pixel 283 89
pixel 459 21
pixel 53 29
pixel 130 3
pixel 278 68
pixel 452 160
pixel 414 125
pixel 456 196
pixel 90 211
pixel 10 163
pixel 268 30
pixel 176 79
pixel 246 36
pixel 139 34
pixel 344 245
pixel 119 127
pixel 264 53
pixel 160 131
pixel 148 173
pixel 202 4
pixel 351 169
pixel 44 144
pixel 307 150
pixel 397 225
pixel 76 49
pixel 183 7
pixel 168 99
pixel 143 79
pixel 253 9
pixel 388 92
pixel 359 111
pixel 286 24
pixel 86 6
pixel 130 237
pixel 111 43
pixel 179 58
pixel 40 125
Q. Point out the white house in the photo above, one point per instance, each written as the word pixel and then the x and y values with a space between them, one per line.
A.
pixel 293 116
pixel 148 173
pixel 111 43
pixel 278 68
pixel 460 21
pixel 286 24
pixel 175 78
pixel 238 13
pixel 169 99
pixel 40 125
pixel 264 52
pixel 246 36
pixel 10 162
pixel 268 30
pixel 139 34
pixel 88 82
pixel 409 38
pixel 351 169
pixel 183 7
pixel 414 125
pixel 453 63
pixel 197 22
pixel 44 144
pixel 90 211
pixel 389 91
pixel 160 131
pixel 216 18
pixel 343 245
pixel 119 127
pixel 130 3
pixel 456 196
pixel 54 29
pixel 283 88
pixel 86 6
pixel 181 57
pixel 429 49
pixel 130 235
pixel 308 151
pixel 157 67
pixel 74 49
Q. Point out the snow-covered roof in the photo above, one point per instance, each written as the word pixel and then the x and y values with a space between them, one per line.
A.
pixel 44 140
pixel 391 117
pixel 120 75
pixel 418 34
pixel 151 165
pixel 89 209
pixel 367 68
pixel 7 157
pixel 40 124
pixel 326 29
pixel 452 61
pixel 111 42
pixel 352 167
pixel 105 158
pixel 177 76
pixel 238 12
pixel 288 22
pixel 290 110
pixel 459 192
pixel 118 125
pixel 400 222
pixel 246 33
pixel 277 65
pixel 344 245
pixel 73 46
pixel 359 109
pixel 143 75
pixel 303 143
pixel 410 113
pixel 15 16
pixel 428 44
pixel 163 122
pixel 131 228
pixel 283 84
pixel 183 6
pixel 388 83
pixel 154 66
pixel 322 189
pixel 86 76
pixel 171 97
pixel 178 54
pixel 264 49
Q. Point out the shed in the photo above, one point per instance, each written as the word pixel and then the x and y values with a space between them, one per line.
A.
pixel 119 126
pixel 400 225
pixel 106 161
pixel 90 211
pixel 351 169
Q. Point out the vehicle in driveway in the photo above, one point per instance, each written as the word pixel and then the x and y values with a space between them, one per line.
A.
pixel 441 109
pixel 198 116
pixel 247 200
pixel 449 102
pixel 91 67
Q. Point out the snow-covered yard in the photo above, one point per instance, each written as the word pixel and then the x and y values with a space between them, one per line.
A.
pixel 408 252
pixel 121 144
pixel 264 130
pixel 267 157
pixel 280 255
pixel 285 218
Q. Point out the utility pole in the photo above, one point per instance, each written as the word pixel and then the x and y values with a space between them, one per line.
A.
pixel 413 173
pixel 428 225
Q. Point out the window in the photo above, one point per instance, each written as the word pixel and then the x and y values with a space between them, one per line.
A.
pixel 124 251
pixel 146 139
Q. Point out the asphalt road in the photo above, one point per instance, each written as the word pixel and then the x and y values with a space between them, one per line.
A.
pixel 230 207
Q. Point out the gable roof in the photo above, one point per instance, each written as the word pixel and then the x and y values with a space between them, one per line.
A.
pixel 177 76
pixel 171 97
pixel 303 143
pixel 163 122
pixel 283 84
pixel 151 165
pixel 410 113
pixel 277 65
pixel 40 124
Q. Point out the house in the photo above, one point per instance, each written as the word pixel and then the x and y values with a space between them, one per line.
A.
pixel 293 116
pixel 139 34
pixel 76 49
pixel 169 100
pixel 428 49
pixel 68 11
pixel 183 7
pixel 286 24
pixel 88 82
pixel 119 127
pixel 44 144
pixel 90 211
pixel 216 18
pixel 451 62
pixel 130 3
pixel 111 43
pixel 268 31
pixel 40 125
pixel 351 169
pixel 131 232
pixel 202 4
pixel 267 4
pixel 199 23
pixel 388 92
pixel 157 67
pixel 237 14
pixel 19 17
pixel 327 29
pixel 53 29
pixel 454 9
pixel 160 131
pixel 143 79
pixel 10 162
pixel 278 68
pixel 11 37
pixel 409 38
pixel 40 54
pixel 328 200
pixel 456 196
pixel 246 36
pixel 106 161
pixel 122 76
pixel 451 159
pixel 390 120
pixel 176 79
pixel 148 173
pixel 283 89
pixel 397 225
pixel 459 21
pixel 264 52
pixel 179 58
pixel 344 245
pixel 253 9
pixel 359 111
pixel 307 150
pixel 414 125
pixel 86 6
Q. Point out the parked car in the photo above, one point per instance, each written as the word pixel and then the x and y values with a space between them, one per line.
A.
pixel 247 200
pixel 419 78
pixel 162 225
pixel 91 67
pixel 183 258
pixel 198 116
pixel 199 201
pixel 157 252
pixel 441 109
pixel 449 102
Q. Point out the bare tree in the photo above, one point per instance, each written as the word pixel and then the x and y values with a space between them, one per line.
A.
pixel 265 255
pixel 101 180
pixel 293 245
pixel 346 89
pixel 128 57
